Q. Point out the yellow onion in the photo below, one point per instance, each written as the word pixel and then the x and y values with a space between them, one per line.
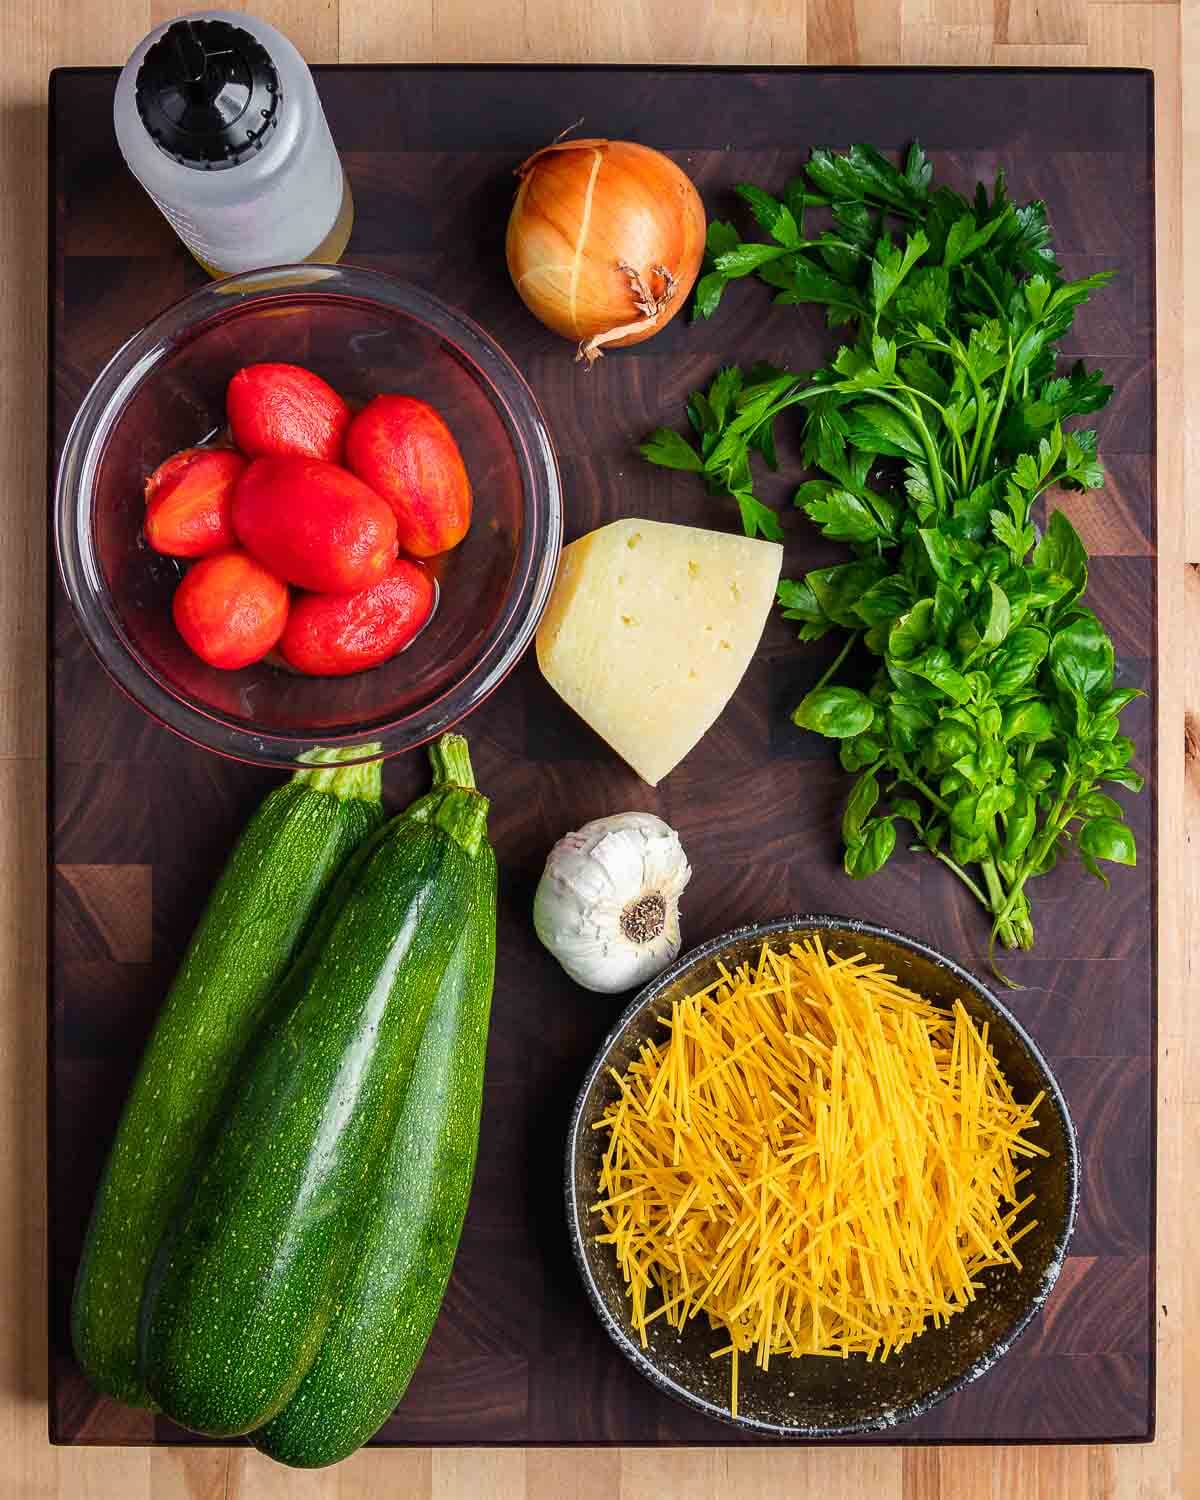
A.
pixel 604 241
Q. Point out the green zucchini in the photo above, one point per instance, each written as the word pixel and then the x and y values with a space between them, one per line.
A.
pixel 288 854
pixel 390 1302
pixel 248 1278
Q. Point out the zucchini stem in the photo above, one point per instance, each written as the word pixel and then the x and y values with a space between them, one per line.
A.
pixel 451 762
pixel 326 771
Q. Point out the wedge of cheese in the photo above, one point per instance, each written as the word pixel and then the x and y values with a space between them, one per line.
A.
pixel 650 629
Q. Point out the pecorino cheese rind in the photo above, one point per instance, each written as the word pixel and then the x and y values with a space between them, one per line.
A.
pixel 650 629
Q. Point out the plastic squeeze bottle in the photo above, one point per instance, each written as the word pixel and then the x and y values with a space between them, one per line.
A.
pixel 218 118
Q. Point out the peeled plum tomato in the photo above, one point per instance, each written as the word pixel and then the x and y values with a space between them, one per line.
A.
pixel 314 524
pixel 280 410
pixel 230 610
pixel 189 502
pixel 401 447
pixel 332 635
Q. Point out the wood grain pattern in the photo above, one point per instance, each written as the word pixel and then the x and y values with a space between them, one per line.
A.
pixel 102 31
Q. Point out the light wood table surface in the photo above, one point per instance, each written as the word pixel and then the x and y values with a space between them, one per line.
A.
pixel 36 35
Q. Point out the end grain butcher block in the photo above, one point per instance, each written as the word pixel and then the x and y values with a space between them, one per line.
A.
pixel 518 1356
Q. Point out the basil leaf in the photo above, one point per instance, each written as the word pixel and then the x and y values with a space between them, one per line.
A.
pixel 907 722
pixel 1122 776
pixel 859 806
pixel 999 617
pixel 911 632
pixel 1113 703
pixel 839 588
pixel 908 808
pixel 945 610
pixel 836 712
pixel 1030 719
pixel 1106 727
pixel 1061 552
pixel 1017 660
pixel 965 818
pixel 937 550
pixel 1038 774
pixel 1098 805
pixel 1081 658
pixel 1090 865
pixel 950 743
pixel 1020 824
pixel 883 602
pixel 1106 838
pixel 858 751
pixel 872 852
pixel 936 667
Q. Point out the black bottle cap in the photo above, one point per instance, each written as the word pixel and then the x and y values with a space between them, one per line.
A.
pixel 208 93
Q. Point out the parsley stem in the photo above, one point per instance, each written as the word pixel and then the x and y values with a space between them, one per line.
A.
pixel 1001 396
pixel 963 469
pixel 980 408
pixel 996 303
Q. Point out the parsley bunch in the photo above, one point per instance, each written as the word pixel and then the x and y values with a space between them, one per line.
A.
pixel 992 722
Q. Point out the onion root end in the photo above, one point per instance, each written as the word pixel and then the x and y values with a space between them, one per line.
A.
pixel 650 304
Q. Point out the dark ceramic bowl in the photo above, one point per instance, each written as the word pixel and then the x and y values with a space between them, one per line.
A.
pixel 815 1397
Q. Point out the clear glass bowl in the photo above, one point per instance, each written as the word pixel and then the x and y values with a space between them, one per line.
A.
pixel 366 334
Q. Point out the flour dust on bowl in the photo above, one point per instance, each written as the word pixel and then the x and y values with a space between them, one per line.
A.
pixel 366 334
pixel 982 1051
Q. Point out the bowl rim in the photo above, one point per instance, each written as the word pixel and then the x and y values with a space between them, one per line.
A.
pixel 199 311
pixel 577 1232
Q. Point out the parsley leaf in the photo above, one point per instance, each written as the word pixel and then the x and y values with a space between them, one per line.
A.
pixel 671 451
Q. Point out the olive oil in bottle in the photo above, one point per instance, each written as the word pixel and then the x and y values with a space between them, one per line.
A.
pixel 218 118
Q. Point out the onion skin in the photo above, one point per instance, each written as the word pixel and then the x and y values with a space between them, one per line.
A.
pixel 604 241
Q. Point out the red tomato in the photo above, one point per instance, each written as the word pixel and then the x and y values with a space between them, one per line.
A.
pixel 401 447
pixel 314 524
pixel 189 502
pixel 230 609
pixel 331 635
pixel 285 409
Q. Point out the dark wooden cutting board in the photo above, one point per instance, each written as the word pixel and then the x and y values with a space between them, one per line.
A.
pixel 141 821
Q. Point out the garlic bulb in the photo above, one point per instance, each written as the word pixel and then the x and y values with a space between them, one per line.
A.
pixel 607 905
